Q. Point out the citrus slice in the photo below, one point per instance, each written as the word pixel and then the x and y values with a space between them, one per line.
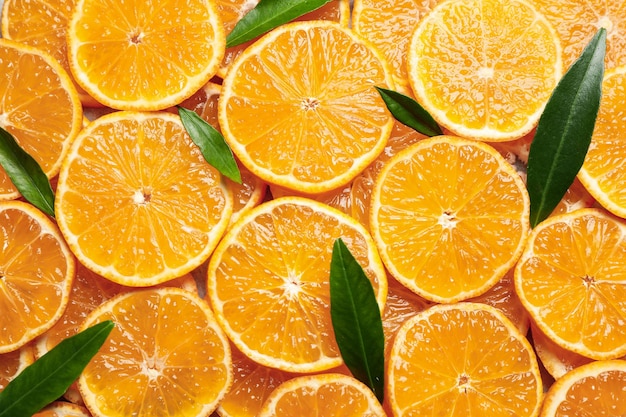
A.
pixel 13 363
pixel 450 217
pixel 37 273
pixel 555 359
pixel 595 389
pixel 484 68
pixel 463 359
pixel 165 356
pixel 300 110
pixel 42 24
pixel 572 280
pixel 39 106
pixel 322 395
pixel 63 409
pixel 136 200
pixel 603 173
pixel 268 281
pixel 146 55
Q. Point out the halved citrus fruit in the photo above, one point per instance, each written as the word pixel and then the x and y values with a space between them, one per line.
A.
pixel 136 200
pixel 39 106
pixel 572 280
pixel 268 281
pixel 37 274
pixel 450 217
pixel 166 355
pixel 460 360
pixel 484 68
pixel 299 107
pixel 146 55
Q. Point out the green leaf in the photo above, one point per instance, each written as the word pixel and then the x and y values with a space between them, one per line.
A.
pixel 267 15
pixel 409 112
pixel 356 320
pixel 211 143
pixel 26 174
pixel 564 131
pixel 49 377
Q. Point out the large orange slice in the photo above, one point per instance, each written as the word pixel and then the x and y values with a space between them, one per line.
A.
pixel 136 200
pixel 299 107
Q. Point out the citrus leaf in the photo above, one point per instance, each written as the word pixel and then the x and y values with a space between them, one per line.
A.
pixel 409 112
pixel 26 174
pixel 356 320
pixel 211 143
pixel 267 15
pixel 49 377
pixel 564 131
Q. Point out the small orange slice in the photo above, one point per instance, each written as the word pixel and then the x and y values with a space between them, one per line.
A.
pixel 464 359
pixel 555 359
pixel 165 356
pixel 300 110
pixel 268 281
pixel 572 280
pixel 13 363
pixel 450 217
pixel 136 200
pixel 63 409
pixel 322 395
pixel 37 274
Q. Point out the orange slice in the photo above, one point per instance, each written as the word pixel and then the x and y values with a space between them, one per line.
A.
pixel 39 106
pixel 165 356
pixel 63 409
pixel 594 389
pixel 322 395
pixel 450 217
pixel 464 359
pixel 603 173
pixel 268 282
pixel 555 359
pixel 484 68
pixel 572 280
pixel 136 200
pixel 300 110
pixel 13 363
pixel 37 273
pixel 144 55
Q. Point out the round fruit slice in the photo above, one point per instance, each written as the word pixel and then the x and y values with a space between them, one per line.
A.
pixel 63 409
pixel 450 217
pixel 268 281
pixel 485 68
pixel 136 200
pixel 300 110
pixel 146 55
pixel 39 106
pixel 464 359
pixel 322 395
pixel 37 274
pixel 13 363
pixel 165 356
pixel 572 280
pixel 594 389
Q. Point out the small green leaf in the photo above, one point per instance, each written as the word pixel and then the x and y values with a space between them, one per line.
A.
pixel 267 15
pixel 564 131
pixel 26 174
pixel 211 143
pixel 49 377
pixel 356 320
pixel 409 112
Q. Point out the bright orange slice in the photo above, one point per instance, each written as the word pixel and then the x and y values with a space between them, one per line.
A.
pixel 300 110
pixel 136 200
pixel 484 68
pixel 268 281
pixel 165 356
pixel 450 217
pixel 13 363
pixel 63 409
pixel 464 359
pixel 37 274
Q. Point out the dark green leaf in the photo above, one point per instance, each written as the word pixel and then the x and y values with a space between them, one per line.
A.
pixel 211 143
pixel 409 112
pixel 356 320
pixel 49 377
pixel 267 15
pixel 564 131
pixel 26 174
